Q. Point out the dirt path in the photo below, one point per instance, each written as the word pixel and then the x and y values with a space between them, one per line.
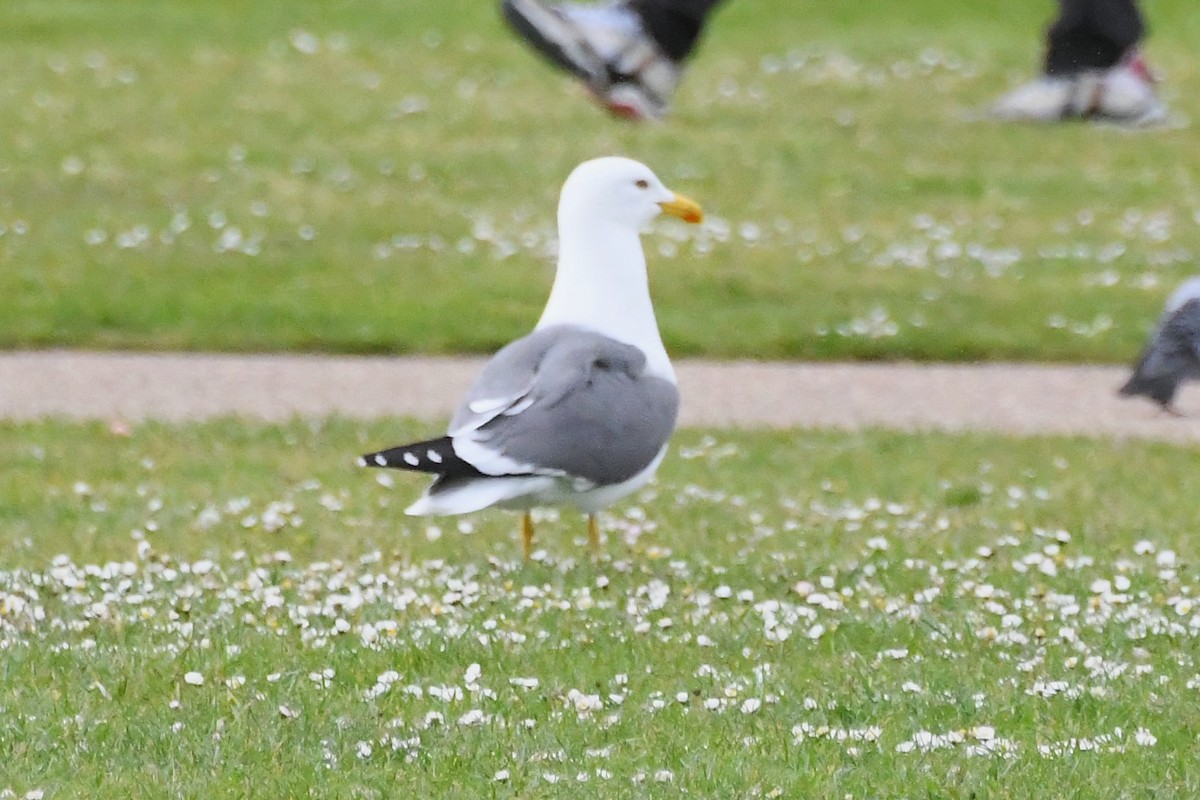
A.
pixel 1017 398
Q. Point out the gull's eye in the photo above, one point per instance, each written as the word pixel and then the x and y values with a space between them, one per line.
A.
pixel 642 183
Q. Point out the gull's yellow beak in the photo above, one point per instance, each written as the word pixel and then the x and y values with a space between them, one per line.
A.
pixel 687 210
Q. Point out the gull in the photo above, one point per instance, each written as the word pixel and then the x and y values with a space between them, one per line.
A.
pixel 579 412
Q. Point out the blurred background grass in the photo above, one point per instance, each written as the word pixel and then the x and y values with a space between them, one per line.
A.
pixel 381 177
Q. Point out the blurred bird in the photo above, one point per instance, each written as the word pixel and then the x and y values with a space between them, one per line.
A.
pixel 1173 352
pixel 579 411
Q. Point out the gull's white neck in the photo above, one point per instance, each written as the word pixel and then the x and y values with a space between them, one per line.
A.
pixel 601 284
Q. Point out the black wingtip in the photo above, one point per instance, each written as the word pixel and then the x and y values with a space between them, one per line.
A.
pixel 379 459
pixel 434 456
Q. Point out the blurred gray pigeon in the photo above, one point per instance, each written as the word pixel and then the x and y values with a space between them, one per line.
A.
pixel 1173 352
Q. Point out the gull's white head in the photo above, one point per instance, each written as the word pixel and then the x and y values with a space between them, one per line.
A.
pixel 622 191
pixel 601 283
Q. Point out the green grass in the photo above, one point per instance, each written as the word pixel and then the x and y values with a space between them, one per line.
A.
pixel 825 604
pixel 380 177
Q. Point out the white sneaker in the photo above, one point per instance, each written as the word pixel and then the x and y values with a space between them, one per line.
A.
pixel 1046 98
pixel 606 48
pixel 1122 94
pixel 1128 94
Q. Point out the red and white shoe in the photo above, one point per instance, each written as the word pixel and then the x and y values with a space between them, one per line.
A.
pixel 606 48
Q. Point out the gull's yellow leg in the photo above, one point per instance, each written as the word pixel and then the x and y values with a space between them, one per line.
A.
pixel 594 536
pixel 527 534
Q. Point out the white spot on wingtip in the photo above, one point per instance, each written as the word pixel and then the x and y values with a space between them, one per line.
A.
pixel 380 460
pixel 433 456
pixel 411 459
pixel 360 461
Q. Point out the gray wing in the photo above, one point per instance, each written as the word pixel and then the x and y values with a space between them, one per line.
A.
pixel 505 381
pixel 577 403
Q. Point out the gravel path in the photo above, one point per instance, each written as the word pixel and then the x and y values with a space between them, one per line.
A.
pixel 1014 398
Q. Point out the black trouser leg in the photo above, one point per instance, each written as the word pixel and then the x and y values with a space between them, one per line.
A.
pixel 1091 34
pixel 675 25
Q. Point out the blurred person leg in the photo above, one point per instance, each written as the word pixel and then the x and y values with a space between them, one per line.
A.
pixel 628 54
pixel 1093 69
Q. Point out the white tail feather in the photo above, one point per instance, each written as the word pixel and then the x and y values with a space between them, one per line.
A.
pixel 475 495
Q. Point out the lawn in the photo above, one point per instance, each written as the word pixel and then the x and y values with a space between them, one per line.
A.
pixel 362 176
pixel 231 609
